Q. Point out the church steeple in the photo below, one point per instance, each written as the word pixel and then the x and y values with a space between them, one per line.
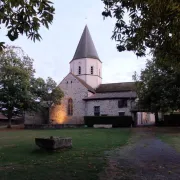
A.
pixel 86 64
pixel 86 48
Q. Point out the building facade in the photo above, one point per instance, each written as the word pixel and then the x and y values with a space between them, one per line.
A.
pixel 85 95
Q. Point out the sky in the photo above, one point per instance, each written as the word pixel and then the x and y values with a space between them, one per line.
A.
pixel 54 52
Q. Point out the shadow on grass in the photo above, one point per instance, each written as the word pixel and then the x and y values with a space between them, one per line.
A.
pixel 42 151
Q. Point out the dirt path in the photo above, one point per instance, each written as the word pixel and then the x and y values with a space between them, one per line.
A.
pixel 144 158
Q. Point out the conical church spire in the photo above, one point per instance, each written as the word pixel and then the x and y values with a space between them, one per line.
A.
pixel 86 48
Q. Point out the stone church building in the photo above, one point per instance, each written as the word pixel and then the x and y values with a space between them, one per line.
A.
pixel 84 93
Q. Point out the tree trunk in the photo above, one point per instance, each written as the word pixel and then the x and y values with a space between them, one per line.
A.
pixel 156 118
pixel 9 118
pixel 49 115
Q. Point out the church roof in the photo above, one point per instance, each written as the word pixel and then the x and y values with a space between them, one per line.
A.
pixel 116 87
pixel 114 95
pixel 84 84
pixel 86 48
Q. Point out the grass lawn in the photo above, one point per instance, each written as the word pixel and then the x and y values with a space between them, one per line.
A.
pixel 170 136
pixel 20 159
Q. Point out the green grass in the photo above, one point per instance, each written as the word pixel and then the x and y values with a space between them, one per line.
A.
pixel 172 138
pixel 21 159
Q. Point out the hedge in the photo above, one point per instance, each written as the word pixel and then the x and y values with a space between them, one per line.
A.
pixel 170 120
pixel 116 121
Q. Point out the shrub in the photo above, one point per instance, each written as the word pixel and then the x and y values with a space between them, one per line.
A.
pixel 170 120
pixel 116 121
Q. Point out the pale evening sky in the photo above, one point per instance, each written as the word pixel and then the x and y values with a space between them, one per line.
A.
pixel 53 54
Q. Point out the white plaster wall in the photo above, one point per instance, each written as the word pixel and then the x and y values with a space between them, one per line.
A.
pixel 74 66
pixel 93 80
pixel 144 118
pixel 109 107
pixel 75 90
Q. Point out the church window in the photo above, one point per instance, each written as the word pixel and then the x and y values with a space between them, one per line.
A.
pixel 121 113
pixel 96 110
pixel 79 69
pixel 70 107
pixel 92 70
pixel 122 103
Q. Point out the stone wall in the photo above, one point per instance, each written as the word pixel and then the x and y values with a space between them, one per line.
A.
pixel 72 88
pixel 35 118
pixel 107 107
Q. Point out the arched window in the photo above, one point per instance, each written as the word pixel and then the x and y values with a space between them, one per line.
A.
pixel 70 107
pixel 92 70
pixel 79 70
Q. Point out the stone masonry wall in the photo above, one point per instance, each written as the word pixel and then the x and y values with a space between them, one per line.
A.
pixel 72 88
pixel 109 107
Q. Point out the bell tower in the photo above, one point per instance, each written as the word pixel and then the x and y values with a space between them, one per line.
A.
pixel 86 63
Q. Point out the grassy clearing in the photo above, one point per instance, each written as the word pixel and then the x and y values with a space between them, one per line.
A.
pixel 170 136
pixel 21 159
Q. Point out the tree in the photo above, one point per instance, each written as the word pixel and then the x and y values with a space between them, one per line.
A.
pixel 158 88
pixel 25 17
pixel 150 25
pixel 52 94
pixel 15 72
pixel 19 90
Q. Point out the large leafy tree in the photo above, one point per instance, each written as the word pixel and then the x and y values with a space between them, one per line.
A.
pixel 25 17
pixel 16 69
pixel 19 90
pixel 47 92
pixel 158 88
pixel 146 25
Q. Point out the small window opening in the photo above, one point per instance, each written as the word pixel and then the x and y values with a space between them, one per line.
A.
pixel 79 69
pixel 92 70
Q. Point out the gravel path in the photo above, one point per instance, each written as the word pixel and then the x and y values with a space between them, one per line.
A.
pixel 144 158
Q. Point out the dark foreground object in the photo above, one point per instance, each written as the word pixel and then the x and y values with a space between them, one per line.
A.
pixel 54 143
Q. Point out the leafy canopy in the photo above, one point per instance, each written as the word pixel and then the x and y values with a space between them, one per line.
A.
pixel 143 25
pixel 25 17
pixel 158 88
pixel 19 89
pixel 16 69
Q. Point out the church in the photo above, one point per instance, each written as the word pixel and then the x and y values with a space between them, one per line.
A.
pixel 84 93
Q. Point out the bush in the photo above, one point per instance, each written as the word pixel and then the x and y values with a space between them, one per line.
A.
pixel 116 121
pixel 170 120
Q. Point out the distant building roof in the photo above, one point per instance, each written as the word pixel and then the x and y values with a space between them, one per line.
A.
pixel 84 84
pixel 86 48
pixel 116 87
pixel 2 117
pixel 114 95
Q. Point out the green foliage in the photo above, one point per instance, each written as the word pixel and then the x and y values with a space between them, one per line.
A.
pixel 47 92
pixel 19 89
pixel 25 17
pixel 143 25
pixel 158 88
pixel 15 71
pixel 20 157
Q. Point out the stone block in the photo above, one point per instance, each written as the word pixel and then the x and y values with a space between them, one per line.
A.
pixel 103 126
pixel 54 143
